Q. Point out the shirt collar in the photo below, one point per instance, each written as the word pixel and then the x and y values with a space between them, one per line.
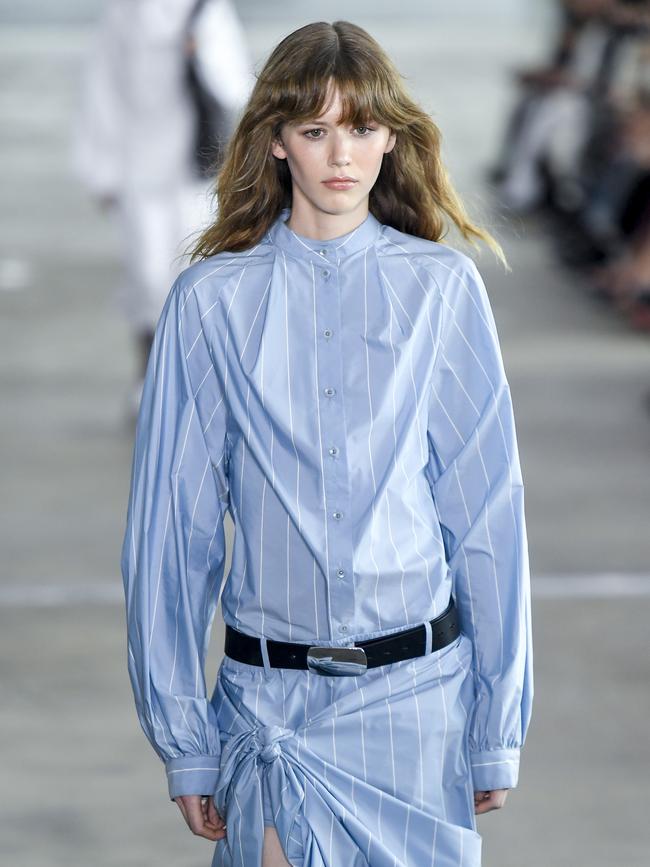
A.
pixel 333 250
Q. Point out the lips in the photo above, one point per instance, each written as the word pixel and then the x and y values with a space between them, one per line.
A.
pixel 340 183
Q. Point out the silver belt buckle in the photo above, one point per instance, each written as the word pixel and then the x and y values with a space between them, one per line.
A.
pixel 337 661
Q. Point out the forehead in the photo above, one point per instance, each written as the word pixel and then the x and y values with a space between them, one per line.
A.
pixel 330 104
pixel 333 107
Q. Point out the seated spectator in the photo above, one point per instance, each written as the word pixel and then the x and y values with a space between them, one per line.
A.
pixel 551 119
pixel 577 145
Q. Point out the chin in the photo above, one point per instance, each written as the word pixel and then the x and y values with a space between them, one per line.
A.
pixel 343 206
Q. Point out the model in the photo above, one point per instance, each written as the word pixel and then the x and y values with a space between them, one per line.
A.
pixel 135 139
pixel 328 372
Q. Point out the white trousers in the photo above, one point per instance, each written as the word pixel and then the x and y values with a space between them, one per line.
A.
pixel 155 227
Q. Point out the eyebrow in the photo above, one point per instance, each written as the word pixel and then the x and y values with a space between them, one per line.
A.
pixel 315 120
pixel 319 122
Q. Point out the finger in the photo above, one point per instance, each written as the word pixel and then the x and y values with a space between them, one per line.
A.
pixel 205 810
pixel 210 815
pixel 194 812
pixel 482 801
pixel 201 827
pixel 213 815
pixel 196 821
pixel 493 801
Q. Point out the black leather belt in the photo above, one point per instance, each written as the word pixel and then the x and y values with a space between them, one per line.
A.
pixel 351 660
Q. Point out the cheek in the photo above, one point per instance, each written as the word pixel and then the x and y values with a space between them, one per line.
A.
pixel 371 157
pixel 305 160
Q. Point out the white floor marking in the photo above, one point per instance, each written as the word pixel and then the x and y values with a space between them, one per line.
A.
pixel 603 585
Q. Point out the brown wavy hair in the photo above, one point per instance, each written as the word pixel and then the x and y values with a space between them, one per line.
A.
pixel 412 192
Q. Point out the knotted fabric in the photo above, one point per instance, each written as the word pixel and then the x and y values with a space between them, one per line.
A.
pixel 359 771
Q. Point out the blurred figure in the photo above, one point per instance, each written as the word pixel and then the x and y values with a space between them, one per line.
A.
pixel 140 136
pixel 625 277
pixel 550 124
pixel 577 146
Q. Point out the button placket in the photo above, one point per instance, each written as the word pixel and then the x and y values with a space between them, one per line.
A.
pixel 335 470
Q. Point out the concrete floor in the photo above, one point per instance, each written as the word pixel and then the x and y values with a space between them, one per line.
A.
pixel 81 784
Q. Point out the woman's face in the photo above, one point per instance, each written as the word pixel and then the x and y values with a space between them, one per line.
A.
pixel 322 149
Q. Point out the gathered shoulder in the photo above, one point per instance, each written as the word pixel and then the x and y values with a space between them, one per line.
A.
pixel 441 259
pixel 207 277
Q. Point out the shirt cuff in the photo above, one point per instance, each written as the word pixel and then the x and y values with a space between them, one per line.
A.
pixel 495 769
pixel 192 775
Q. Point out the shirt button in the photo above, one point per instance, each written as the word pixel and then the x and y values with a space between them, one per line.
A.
pixel 323 252
pixel 327 332
pixel 340 573
pixel 326 274
pixel 343 628
pixel 333 451
pixel 337 515
pixel 329 391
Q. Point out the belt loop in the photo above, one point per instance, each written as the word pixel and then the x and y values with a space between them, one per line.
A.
pixel 265 657
pixel 429 637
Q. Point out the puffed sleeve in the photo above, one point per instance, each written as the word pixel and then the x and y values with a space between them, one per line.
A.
pixel 173 553
pixel 477 486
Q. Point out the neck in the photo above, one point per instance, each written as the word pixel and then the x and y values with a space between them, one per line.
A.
pixel 321 226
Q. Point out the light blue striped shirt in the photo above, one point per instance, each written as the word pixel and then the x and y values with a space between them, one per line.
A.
pixel 346 401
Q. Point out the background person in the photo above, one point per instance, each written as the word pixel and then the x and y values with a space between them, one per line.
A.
pixel 135 137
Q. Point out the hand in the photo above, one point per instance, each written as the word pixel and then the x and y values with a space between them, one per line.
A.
pixel 201 815
pixel 486 801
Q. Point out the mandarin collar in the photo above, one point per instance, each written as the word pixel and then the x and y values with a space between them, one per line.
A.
pixel 333 250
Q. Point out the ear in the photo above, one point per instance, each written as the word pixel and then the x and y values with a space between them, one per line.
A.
pixel 277 149
pixel 390 143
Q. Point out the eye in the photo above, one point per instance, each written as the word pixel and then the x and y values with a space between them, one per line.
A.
pixel 320 129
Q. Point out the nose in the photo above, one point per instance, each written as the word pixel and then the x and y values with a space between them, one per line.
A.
pixel 339 154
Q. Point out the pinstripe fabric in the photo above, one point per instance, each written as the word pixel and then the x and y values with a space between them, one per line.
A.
pixel 346 402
